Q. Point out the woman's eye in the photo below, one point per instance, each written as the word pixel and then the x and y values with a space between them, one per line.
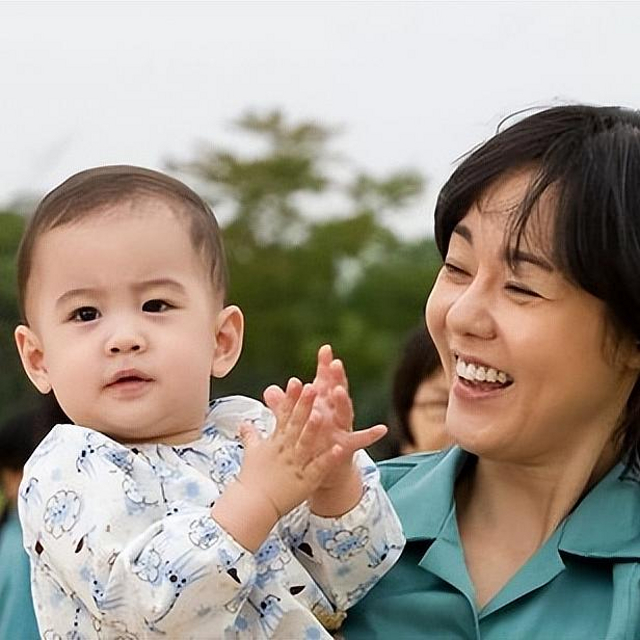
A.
pixel 519 290
pixel 155 306
pixel 85 314
pixel 453 270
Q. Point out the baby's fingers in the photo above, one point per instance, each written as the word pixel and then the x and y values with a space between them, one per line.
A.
pixel 342 408
pixel 338 374
pixel 363 438
pixel 325 355
pixel 301 413
pixel 284 409
pixel 249 435
pixel 322 381
pixel 311 437
pixel 321 465
pixel 273 397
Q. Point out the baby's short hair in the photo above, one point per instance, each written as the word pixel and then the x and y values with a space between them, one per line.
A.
pixel 91 191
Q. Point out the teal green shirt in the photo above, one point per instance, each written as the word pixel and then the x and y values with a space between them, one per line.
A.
pixel 582 584
pixel 17 619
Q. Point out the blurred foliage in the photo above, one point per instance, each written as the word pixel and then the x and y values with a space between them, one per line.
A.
pixel 310 262
pixel 15 389
pixel 306 272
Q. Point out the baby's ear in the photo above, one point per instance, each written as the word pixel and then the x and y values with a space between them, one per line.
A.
pixel 32 356
pixel 229 333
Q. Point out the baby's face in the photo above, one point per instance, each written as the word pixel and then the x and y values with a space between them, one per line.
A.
pixel 125 313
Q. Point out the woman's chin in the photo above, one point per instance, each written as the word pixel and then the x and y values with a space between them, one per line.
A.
pixel 473 434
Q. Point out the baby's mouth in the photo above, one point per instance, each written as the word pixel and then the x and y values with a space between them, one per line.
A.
pixel 128 377
pixel 482 376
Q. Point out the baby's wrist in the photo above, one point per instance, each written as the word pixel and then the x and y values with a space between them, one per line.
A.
pixel 338 497
pixel 340 476
pixel 247 515
pixel 264 496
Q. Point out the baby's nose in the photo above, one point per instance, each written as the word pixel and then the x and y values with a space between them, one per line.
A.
pixel 125 341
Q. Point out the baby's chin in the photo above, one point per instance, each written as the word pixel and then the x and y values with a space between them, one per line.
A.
pixel 124 434
pixel 142 425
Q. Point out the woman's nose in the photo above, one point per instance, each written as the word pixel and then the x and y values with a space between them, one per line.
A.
pixel 472 313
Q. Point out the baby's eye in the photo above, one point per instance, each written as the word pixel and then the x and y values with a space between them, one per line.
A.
pixel 156 306
pixel 85 314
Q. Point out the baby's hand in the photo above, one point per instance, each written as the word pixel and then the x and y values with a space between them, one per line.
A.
pixel 332 418
pixel 289 465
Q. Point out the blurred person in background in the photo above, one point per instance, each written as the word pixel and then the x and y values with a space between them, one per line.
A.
pixel 19 436
pixel 420 396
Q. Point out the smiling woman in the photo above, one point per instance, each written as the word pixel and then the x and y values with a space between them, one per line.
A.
pixel 557 391
pixel 530 526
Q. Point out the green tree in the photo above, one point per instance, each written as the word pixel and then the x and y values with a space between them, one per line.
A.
pixel 15 389
pixel 311 260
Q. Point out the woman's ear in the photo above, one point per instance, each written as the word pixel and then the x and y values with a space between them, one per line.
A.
pixel 32 356
pixel 229 333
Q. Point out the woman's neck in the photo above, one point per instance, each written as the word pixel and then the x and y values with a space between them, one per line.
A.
pixel 537 494
pixel 506 511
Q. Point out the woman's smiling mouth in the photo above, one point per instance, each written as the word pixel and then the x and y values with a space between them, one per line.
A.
pixel 481 376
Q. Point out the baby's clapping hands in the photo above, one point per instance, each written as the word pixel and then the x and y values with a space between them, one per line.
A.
pixel 330 428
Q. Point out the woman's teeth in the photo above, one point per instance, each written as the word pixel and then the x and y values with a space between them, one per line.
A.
pixel 478 373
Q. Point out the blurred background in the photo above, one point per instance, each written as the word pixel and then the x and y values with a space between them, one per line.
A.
pixel 320 133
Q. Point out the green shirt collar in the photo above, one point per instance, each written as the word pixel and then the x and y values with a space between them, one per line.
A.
pixel 606 524
pixel 423 497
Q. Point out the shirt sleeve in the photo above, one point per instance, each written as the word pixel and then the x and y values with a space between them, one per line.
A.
pixel 109 552
pixel 346 556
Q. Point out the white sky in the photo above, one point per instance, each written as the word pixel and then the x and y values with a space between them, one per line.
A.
pixel 412 84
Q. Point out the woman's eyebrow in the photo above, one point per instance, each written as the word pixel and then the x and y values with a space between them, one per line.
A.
pixel 464 232
pixel 515 257
pixel 518 257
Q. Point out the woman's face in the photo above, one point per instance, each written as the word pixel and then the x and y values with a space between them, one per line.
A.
pixel 528 356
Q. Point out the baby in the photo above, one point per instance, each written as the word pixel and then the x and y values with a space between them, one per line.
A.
pixel 157 514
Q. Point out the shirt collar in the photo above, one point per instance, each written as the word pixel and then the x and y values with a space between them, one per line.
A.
pixel 423 497
pixel 606 523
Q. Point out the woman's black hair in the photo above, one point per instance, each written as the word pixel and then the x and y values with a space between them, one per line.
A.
pixel 588 159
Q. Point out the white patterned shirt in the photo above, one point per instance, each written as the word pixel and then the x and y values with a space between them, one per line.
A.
pixel 123 546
